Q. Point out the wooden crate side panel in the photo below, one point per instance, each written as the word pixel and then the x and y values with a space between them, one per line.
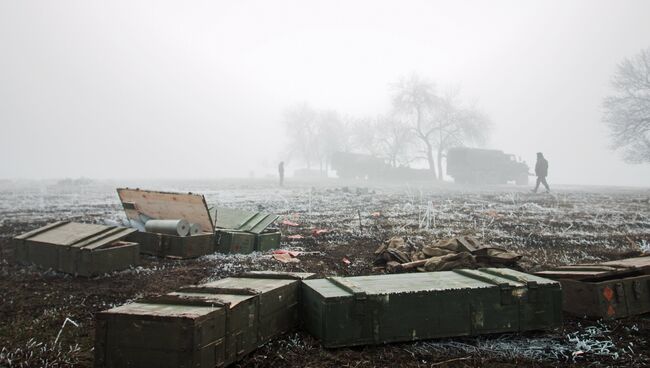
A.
pixel 279 299
pixel 279 311
pixel 541 309
pixel 312 307
pixel 210 339
pixel 43 255
pixel 101 344
pixel 345 323
pixel 131 357
pixel 581 299
pixel 235 242
pixel 68 259
pixel 637 292
pixel 20 251
pixel 150 243
pixel 267 241
pixel 162 245
pixel 278 323
pixel 145 341
pixel 155 334
pixel 187 246
pixel 241 327
pixel 457 313
pixel 101 261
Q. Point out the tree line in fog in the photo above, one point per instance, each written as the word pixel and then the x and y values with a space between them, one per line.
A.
pixel 421 124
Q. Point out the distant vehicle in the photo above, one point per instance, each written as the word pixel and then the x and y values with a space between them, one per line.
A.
pixel 358 166
pixel 68 182
pixel 484 166
pixel 368 167
pixel 309 174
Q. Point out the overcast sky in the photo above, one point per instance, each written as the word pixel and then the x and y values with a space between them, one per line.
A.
pixel 129 89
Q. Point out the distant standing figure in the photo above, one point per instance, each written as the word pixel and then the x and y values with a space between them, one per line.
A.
pixel 281 172
pixel 541 170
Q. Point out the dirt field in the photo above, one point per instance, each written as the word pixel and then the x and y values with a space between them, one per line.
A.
pixel 571 225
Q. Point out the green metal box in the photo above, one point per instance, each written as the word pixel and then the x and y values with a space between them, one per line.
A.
pixel 77 248
pixel 244 231
pixel 267 241
pixel 208 325
pixel 406 307
pixel 609 290
pixel 171 246
pixel 234 242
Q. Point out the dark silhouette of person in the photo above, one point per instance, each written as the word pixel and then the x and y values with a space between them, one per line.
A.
pixel 281 172
pixel 541 170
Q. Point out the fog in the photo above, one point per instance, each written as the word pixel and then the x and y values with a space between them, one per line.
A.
pixel 162 89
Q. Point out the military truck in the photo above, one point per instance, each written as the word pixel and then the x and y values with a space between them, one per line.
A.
pixel 485 166
pixel 361 166
pixel 358 166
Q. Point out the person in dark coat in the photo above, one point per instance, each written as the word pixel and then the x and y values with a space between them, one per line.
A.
pixel 281 172
pixel 541 170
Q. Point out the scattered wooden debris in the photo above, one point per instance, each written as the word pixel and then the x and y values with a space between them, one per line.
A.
pixel 396 255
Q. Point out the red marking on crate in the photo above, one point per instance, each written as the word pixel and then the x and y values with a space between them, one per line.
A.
pixel 608 293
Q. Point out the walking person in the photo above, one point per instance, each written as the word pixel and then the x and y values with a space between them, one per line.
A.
pixel 541 170
pixel 281 172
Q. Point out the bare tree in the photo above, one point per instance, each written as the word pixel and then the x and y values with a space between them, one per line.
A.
pixel 364 136
pixel 627 110
pixel 457 125
pixel 438 122
pixel 332 136
pixel 384 137
pixel 394 139
pixel 301 123
pixel 314 134
pixel 416 100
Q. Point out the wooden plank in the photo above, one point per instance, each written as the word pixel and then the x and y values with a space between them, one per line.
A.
pixel 217 290
pixel 231 218
pixel 241 220
pixel 96 237
pixel 263 221
pixel 189 300
pixel 636 262
pixel 41 229
pixel 166 206
pixel 618 268
pixel 106 239
pixel 68 234
pixel 467 244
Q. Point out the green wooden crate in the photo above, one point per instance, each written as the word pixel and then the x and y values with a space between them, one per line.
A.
pixel 78 248
pixel 406 307
pixel 171 246
pixel 234 242
pixel 208 325
pixel 608 299
pixel 609 290
pixel 267 241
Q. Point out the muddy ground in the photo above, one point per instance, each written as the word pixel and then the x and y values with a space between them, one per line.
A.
pixel 571 225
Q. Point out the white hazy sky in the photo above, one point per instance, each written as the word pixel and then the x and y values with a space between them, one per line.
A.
pixel 160 89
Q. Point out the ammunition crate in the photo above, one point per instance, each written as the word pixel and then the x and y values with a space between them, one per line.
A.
pixel 207 325
pixel 607 299
pixel 407 307
pixel 77 248
pixel 234 242
pixel 267 241
pixel 171 246
pixel 608 290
